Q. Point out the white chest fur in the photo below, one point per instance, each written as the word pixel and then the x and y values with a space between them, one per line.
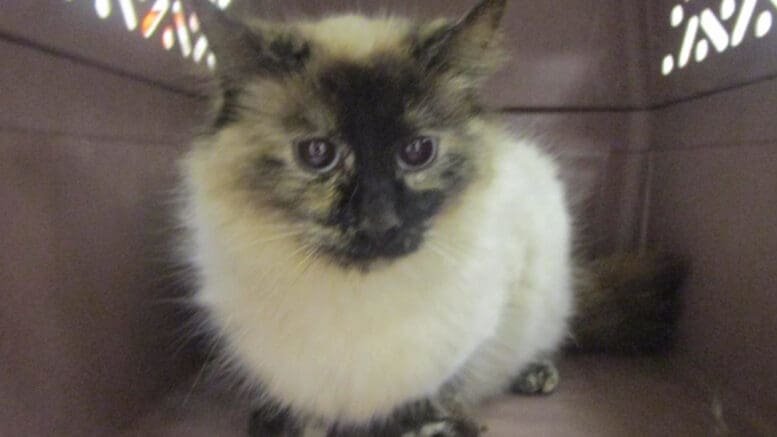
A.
pixel 346 345
pixel 350 347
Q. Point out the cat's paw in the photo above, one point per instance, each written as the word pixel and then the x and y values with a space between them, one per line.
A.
pixel 445 428
pixel 536 379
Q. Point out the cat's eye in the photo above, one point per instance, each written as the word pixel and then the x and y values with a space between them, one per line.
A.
pixel 318 154
pixel 418 153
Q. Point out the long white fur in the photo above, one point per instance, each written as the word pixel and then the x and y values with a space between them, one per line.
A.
pixel 486 295
pixel 488 292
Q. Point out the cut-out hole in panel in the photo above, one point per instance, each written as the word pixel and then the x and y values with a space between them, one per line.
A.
pixel 719 24
pixel 170 23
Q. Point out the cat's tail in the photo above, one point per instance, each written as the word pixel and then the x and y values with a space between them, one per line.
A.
pixel 628 303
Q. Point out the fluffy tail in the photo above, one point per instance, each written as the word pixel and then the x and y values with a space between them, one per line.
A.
pixel 628 303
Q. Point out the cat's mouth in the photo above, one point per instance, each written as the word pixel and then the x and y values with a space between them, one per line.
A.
pixel 362 249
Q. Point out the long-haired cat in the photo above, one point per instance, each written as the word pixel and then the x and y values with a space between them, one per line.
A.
pixel 375 252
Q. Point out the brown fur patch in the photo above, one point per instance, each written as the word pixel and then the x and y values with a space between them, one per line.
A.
pixel 629 303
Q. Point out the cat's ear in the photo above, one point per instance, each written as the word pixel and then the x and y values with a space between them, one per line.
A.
pixel 244 49
pixel 470 46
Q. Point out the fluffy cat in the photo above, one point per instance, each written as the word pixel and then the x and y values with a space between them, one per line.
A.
pixel 375 252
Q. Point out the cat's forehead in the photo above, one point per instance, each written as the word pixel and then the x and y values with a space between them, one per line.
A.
pixel 356 37
pixel 359 72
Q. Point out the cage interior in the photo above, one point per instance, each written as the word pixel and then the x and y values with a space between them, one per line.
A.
pixel 661 112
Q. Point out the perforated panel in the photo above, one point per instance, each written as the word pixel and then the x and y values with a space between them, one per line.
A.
pixel 701 46
pixel 169 23
pixel 563 53
pixel 157 40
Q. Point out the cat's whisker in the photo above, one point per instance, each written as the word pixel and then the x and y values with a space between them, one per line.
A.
pixel 306 262
pixel 278 237
pixel 198 378
pixel 188 331
pixel 452 250
pixel 272 291
pixel 443 253
pixel 452 247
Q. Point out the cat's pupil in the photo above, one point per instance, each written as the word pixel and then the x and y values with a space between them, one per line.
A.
pixel 317 154
pixel 318 150
pixel 418 153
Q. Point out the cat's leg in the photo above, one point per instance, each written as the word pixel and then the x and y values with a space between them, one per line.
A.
pixel 446 416
pixel 537 378
pixel 446 427
pixel 428 418
pixel 421 419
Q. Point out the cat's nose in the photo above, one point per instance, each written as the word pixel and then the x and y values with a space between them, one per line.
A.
pixel 380 224
pixel 377 210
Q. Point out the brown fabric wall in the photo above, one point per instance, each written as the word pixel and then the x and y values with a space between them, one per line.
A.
pixel 85 158
pixel 713 197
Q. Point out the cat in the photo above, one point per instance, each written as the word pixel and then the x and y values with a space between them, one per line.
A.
pixel 375 252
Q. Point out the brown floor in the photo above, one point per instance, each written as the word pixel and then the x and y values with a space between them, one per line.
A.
pixel 599 397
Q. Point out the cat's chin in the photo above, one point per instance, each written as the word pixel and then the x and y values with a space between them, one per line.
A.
pixel 366 255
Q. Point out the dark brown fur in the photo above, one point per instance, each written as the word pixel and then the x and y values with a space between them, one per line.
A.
pixel 629 303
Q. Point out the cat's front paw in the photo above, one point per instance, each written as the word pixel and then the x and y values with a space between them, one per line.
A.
pixel 536 379
pixel 445 428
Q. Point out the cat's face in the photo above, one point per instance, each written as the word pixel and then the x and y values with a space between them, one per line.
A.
pixel 357 131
